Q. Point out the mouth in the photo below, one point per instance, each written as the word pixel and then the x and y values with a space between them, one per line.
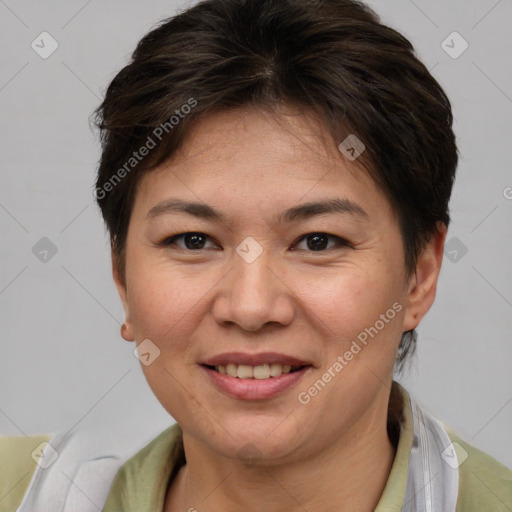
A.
pixel 255 376
pixel 258 372
pixel 260 376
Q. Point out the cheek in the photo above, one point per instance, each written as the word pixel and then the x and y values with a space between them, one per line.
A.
pixel 349 299
pixel 165 309
pixel 360 316
pixel 164 303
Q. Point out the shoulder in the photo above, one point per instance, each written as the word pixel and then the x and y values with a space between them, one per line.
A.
pixel 18 461
pixel 141 482
pixel 484 482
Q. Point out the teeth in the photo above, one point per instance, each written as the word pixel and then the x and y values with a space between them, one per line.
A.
pixel 244 371
pixel 276 370
pixel 231 370
pixel 262 371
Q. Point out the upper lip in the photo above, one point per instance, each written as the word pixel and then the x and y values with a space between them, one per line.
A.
pixel 254 359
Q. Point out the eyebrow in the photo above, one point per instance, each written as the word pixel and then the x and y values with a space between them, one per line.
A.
pixel 301 212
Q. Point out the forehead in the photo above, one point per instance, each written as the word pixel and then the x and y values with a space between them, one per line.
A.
pixel 245 157
pixel 286 136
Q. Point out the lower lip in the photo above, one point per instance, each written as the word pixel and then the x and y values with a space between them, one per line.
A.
pixel 254 389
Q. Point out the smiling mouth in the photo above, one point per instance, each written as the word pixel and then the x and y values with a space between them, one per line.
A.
pixel 259 372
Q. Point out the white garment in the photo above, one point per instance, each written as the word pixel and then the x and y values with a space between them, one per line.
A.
pixel 432 484
pixel 80 478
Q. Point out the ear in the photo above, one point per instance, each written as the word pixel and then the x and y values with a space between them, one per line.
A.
pixel 423 284
pixel 127 330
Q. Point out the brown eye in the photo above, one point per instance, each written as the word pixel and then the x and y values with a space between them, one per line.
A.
pixel 193 241
pixel 317 242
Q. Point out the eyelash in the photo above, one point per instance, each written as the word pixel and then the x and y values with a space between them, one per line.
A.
pixel 169 241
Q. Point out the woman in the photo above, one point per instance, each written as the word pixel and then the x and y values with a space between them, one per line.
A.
pixel 275 178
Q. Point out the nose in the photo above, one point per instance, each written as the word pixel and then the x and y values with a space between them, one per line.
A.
pixel 254 294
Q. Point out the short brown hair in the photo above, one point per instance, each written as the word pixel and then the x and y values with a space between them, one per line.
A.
pixel 332 56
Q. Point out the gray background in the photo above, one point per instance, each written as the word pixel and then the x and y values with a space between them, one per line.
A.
pixel 63 362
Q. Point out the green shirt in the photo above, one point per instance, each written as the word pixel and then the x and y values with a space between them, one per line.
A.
pixel 140 485
pixel 16 468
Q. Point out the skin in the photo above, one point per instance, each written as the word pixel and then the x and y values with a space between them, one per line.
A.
pixel 332 454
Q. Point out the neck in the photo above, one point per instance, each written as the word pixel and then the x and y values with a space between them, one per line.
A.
pixel 335 479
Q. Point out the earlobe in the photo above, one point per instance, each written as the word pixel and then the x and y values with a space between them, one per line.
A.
pixel 126 333
pixel 126 328
pixel 423 284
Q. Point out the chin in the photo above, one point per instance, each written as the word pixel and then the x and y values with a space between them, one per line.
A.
pixel 254 441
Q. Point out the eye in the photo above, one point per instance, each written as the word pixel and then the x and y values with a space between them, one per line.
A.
pixel 316 242
pixel 194 241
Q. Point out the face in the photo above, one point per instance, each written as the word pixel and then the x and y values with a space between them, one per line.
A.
pixel 269 283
